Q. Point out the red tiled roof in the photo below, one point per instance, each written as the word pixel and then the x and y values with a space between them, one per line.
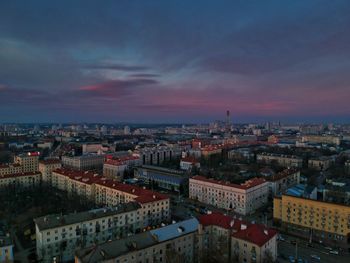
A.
pixel 285 173
pixel 220 220
pixel 246 185
pixel 256 234
pixel 80 176
pixel 141 195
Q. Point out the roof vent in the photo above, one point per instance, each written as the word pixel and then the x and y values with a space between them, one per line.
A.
pixel 243 226
pixel 180 229
pixel 232 223
pixel 266 232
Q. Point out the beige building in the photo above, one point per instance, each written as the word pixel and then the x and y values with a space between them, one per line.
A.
pixel 114 169
pixel 327 139
pixel 14 168
pixel 28 161
pixel 108 192
pixel 46 167
pixel 242 198
pixel 280 159
pixel 58 236
pixel 20 180
pixel 166 244
pixel 83 162
pixel 322 163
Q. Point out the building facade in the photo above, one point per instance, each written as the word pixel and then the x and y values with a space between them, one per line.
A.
pixel 20 181
pixel 58 236
pixel 314 220
pixel 173 242
pixel 280 159
pixel 243 199
pixel 169 179
pixel 46 167
pixel 83 162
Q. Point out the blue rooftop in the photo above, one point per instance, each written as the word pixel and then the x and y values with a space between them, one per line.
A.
pixel 175 230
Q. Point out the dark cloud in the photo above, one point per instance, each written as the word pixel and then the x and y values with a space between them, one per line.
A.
pixel 110 66
pixel 262 56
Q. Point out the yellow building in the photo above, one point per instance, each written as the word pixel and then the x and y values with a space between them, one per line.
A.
pixel 317 220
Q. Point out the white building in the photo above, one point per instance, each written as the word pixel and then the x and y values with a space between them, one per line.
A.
pixel 243 199
pixel 58 236
pixel 173 242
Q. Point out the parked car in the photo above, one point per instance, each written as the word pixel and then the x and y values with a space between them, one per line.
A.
pixel 334 252
pixel 315 257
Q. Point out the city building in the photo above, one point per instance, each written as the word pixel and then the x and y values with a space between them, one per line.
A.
pixel 109 192
pixel 280 159
pixel 187 163
pixel 29 161
pixel 13 168
pixel 241 154
pixel 46 167
pixel 303 190
pixel 58 236
pixel 165 178
pixel 322 139
pixel 211 150
pixel 20 181
pixel 157 155
pixel 114 169
pixel 315 220
pixel 175 241
pixel 83 162
pixel 230 239
pixel 280 182
pixel 242 198
pixel 6 245
pixel 75 182
pixel 321 163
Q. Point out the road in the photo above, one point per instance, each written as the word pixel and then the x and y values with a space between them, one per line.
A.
pixel 304 252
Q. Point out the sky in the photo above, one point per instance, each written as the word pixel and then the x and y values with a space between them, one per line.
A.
pixel 174 61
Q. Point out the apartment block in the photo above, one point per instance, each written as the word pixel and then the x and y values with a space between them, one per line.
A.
pixel 46 167
pixel 315 220
pixel 157 155
pixel 242 198
pixel 229 239
pixel 20 181
pixel 58 236
pixel 29 161
pixel 326 139
pixel 83 162
pixel 165 178
pixel 280 182
pixel 109 192
pixel 321 163
pixel 172 242
pixel 280 159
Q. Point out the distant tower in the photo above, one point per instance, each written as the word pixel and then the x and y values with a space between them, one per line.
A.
pixel 228 121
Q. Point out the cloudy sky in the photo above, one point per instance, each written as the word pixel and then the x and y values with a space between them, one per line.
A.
pixel 174 61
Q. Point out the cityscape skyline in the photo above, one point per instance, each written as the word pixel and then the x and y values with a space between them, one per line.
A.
pixel 164 62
